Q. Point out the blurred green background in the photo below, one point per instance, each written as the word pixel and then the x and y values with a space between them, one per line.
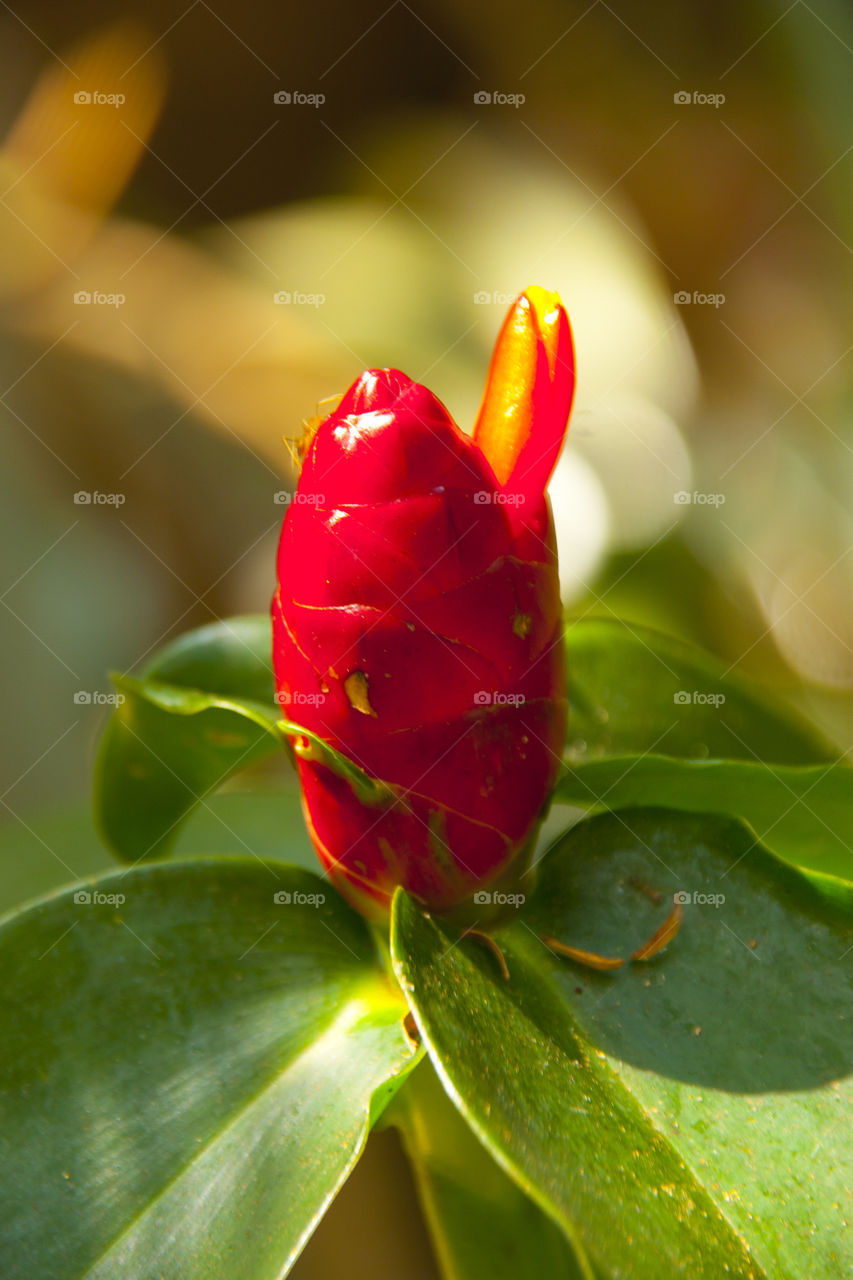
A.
pixel 214 217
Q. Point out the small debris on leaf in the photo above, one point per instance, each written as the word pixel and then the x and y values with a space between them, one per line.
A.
pixel 591 959
pixel 654 894
pixel 663 936
pixel 489 942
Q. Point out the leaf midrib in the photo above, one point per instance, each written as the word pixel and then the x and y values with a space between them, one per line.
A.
pixel 599 1062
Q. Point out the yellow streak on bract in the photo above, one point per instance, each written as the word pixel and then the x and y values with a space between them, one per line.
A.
pixel 521 624
pixel 546 305
pixel 505 421
pixel 355 687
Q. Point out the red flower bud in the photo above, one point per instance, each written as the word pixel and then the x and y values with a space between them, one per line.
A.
pixel 417 625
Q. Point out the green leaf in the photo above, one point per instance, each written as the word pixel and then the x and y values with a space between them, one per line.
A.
pixel 187 1075
pixel 804 814
pixel 635 743
pixel 60 847
pixel 679 1111
pixel 633 690
pixel 481 1223
pixel 169 744
pixel 154 765
pixel 308 746
pixel 229 658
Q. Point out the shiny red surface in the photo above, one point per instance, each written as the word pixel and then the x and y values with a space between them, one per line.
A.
pixel 398 560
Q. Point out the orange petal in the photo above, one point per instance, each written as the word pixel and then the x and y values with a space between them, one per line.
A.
pixel 523 418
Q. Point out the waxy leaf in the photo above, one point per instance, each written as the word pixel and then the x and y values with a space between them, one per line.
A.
pixel 159 759
pixel 205 708
pixel 633 690
pixel 803 813
pixel 168 745
pixel 189 1071
pixel 689 1115
pixel 481 1222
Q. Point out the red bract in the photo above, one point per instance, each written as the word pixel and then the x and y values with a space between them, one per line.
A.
pixel 417 624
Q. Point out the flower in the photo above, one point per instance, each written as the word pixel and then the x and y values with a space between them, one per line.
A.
pixel 417 625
